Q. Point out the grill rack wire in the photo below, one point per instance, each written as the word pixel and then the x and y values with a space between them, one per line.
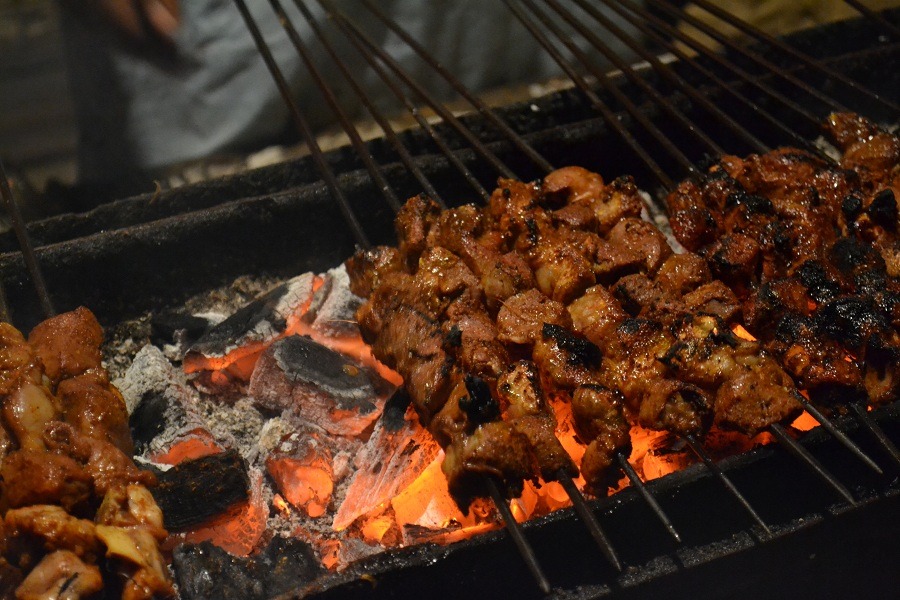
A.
pixel 553 25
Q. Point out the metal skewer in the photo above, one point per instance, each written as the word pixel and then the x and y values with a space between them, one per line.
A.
pixel 589 519
pixel 839 435
pixel 803 454
pixel 701 453
pixel 518 536
pixel 25 245
pixel 639 485
pixel 869 423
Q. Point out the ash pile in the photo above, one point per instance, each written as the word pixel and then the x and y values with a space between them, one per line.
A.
pixel 282 447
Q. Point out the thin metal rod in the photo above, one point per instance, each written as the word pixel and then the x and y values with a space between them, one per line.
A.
pixel 303 127
pixel 609 117
pixel 613 90
pixel 667 73
pixel 515 531
pixel 413 110
pixel 839 435
pixel 753 56
pixel 874 16
pixel 391 136
pixel 461 89
pixel 640 18
pixel 4 306
pixel 368 160
pixel 589 519
pixel 869 423
pixel 639 485
pixel 634 78
pixel 25 245
pixel 645 16
pixel 715 470
pixel 434 104
pixel 809 460
pixel 789 50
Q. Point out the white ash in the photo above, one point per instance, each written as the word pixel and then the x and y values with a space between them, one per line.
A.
pixel 653 212
pixel 236 425
pixel 151 371
pixel 337 313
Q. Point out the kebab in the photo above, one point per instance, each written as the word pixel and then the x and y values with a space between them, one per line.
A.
pixel 560 257
pixel 71 492
pixel 811 247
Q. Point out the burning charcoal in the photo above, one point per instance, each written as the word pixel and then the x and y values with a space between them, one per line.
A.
pixel 176 327
pixel 301 467
pixel 317 384
pixel 240 529
pixel 204 571
pixel 163 419
pixel 333 310
pixel 194 491
pixel 398 451
pixel 245 333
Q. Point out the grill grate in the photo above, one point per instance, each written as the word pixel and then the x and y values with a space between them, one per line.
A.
pixel 527 11
pixel 662 94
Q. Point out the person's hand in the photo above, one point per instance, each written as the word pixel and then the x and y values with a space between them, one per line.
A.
pixel 140 21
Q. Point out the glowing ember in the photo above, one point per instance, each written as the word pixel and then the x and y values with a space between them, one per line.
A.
pixel 195 444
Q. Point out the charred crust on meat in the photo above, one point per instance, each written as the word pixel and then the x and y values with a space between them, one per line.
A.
pixel 453 338
pixel 849 319
pixel 883 209
pixel 753 203
pixel 479 405
pixel 848 254
pixel 820 286
pixel 851 206
pixel 580 351
pixel 791 327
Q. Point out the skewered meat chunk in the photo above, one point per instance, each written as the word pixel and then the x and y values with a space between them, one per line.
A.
pixel 368 268
pixel 565 359
pixel 41 477
pixel 643 239
pixel 68 344
pixel 413 222
pixel 600 422
pixel 18 362
pixel 683 273
pixel 528 412
pixel 73 447
pixel 61 575
pixel 523 316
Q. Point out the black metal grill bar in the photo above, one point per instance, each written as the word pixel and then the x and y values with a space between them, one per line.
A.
pixel 767 65
pixel 874 16
pixel 31 262
pixel 610 118
pixel 413 110
pixel 361 150
pixel 634 78
pixel 424 94
pixel 640 18
pixel 796 54
pixel 457 85
pixel 612 89
pixel 303 127
pixel 382 121
pixel 668 74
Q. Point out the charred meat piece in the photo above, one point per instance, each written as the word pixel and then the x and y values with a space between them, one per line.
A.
pixel 601 423
pixel 68 344
pixel 522 318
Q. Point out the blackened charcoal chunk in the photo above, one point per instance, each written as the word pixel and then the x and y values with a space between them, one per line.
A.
pixel 196 490
pixel 149 419
pixel 206 572
pixel 318 384
pixel 259 321
pixel 164 327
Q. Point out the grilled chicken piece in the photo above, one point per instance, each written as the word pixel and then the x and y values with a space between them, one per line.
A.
pixel 643 239
pixel 600 422
pixel 18 362
pixel 596 315
pixel 51 528
pixel 565 359
pixel 868 150
pixel 682 273
pixel 413 222
pixel 68 344
pixel 26 412
pixel 523 316
pixel 96 409
pixel 368 268
pixel 528 412
pixel 42 477
pixel 61 575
